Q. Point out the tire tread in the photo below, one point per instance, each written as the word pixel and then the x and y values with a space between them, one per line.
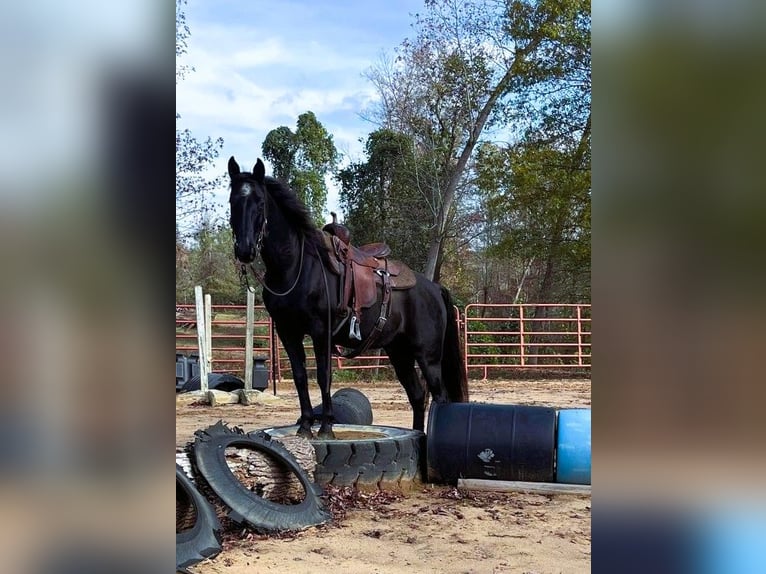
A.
pixel 391 461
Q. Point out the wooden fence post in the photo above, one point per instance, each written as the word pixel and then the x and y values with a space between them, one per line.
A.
pixel 201 337
pixel 249 318
pixel 248 395
pixel 205 384
pixel 276 368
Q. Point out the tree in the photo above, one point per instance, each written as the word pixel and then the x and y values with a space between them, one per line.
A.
pixel 469 65
pixel 208 263
pixel 193 188
pixel 538 196
pixel 302 159
pixel 193 157
pixel 182 39
pixel 380 198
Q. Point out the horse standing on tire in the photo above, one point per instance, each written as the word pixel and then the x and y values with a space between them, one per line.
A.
pixel 299 286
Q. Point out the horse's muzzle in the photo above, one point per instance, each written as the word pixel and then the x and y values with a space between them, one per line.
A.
pixel 244 254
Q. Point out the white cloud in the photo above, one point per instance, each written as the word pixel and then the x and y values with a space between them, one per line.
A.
pixel 250 79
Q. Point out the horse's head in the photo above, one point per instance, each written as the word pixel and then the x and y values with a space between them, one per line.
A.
pixel 247 203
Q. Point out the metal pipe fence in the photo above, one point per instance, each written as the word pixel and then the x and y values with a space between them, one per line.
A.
pixel 495 338
pixel 550 336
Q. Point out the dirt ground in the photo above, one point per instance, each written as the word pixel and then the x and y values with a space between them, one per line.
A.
pixel 429 529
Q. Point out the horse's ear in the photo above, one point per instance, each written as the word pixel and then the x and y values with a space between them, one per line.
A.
pixel 233 167
pixel 259 171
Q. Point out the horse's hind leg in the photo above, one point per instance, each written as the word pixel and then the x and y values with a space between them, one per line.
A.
pixel 404 365
pixel 432 373
pixel 430 362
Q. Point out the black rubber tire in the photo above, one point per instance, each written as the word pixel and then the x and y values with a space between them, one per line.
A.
pixel 344 413
pixel 226 382
pixel 355 394
pixel 358 401
pixel 394 460
pixel 349 407
pixel 193 384
pixel 203 539
pixel 246 506
pixel 217 381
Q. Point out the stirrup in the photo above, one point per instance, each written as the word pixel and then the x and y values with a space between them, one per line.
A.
pixel 353 331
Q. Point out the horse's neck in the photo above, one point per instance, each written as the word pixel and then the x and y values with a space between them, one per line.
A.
pixel 282 246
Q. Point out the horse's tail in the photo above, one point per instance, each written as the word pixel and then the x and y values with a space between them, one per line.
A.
pixel 453 368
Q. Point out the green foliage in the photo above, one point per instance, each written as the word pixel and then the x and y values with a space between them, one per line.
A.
pixel 382 200
pixel 495 222
pixel 302 159
pixel 280 147
pixel 538 196
pixel 182 39
pixel 552 96
pixel 193 189
pixel 484 341
pixel 384 373
pixel 209 262
pixel 476 65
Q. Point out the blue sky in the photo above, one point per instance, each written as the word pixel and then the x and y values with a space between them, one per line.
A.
pixel 259 65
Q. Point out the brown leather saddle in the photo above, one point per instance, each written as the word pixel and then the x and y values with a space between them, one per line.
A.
pixel 364 271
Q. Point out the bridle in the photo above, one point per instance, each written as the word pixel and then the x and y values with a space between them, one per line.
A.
pixel 260 277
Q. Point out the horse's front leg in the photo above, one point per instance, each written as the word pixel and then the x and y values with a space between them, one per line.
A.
pixel 297 355
pixel 324 378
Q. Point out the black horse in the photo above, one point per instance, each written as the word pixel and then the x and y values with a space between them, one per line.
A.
pixel 269 220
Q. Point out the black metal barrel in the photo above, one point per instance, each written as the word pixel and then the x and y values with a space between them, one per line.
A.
pixel 493 442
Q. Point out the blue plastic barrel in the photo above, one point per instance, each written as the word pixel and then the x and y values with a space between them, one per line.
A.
pixel 573 446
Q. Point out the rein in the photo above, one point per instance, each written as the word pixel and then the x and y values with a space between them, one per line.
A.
pixel 261 278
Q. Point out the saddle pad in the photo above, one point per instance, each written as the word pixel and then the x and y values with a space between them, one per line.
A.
pixel 402 277
pixel 336 266
pixel 366 281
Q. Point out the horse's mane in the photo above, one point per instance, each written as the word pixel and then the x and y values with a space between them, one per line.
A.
pixel 297 215
pixel 292 207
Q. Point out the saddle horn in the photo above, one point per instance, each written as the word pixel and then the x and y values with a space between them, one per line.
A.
pixel 340 231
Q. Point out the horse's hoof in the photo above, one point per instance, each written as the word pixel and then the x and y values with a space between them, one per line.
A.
pixel 304 432
pixel 326 434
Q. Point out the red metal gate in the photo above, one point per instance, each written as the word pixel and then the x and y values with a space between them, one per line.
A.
pixel 529 336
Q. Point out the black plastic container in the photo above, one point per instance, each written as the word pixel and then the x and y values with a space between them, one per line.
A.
pixel 492 442
pixel 194 364
pixel 260 373
pixel 183 370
